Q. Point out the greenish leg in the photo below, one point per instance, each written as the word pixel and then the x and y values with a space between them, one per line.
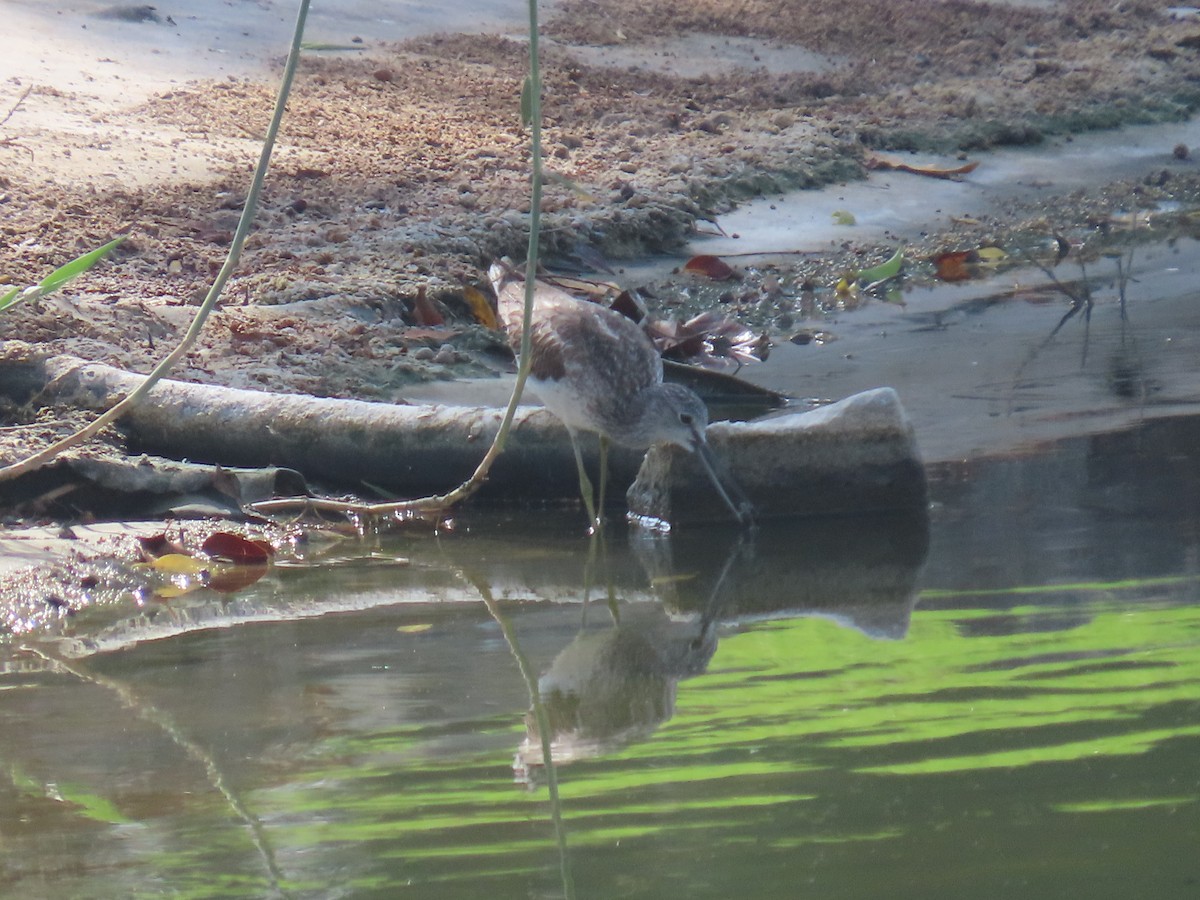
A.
pixel 599 529
pixel 603 480
pixel 585 484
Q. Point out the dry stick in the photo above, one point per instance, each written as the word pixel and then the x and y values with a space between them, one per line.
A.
pixel 1078 301
pixel 12 141
pixel 16 105
pixel 42 457
pixel 441 502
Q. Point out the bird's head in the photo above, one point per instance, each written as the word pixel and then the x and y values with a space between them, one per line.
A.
pixel 680 417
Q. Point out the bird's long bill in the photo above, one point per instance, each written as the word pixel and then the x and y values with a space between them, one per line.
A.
pixel 735 498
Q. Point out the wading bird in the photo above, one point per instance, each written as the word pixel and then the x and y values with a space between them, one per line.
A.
pixel 596 370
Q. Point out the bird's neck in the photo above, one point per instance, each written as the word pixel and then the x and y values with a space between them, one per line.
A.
pixel 632 423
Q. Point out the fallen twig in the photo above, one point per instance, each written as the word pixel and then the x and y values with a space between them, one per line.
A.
pixel 8 115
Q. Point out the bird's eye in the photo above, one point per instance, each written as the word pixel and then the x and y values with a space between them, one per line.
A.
pixel 686 418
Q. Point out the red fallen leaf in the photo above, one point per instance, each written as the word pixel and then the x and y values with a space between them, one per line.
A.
pixel 953 266
pixel 712 266
pixel 234 578
pixel 237 549
pixel 425 311
pixel 877 161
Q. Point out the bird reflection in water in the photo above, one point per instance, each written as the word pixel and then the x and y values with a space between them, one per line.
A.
pixel 612 686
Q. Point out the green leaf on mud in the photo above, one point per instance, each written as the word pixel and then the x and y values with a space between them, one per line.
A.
pixel 59 276
pixel 884 270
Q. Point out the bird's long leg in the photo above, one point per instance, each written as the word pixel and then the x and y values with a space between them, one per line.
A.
pixel 599 529
pixel 589 569
pixel 599 522
pixel 585 484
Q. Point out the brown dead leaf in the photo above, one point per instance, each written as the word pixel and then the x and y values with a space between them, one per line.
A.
pixel 629 305
pixel 157 545
pixel 425 311
pixel 226 545
pixel 708 340
pixel 954 266
pixel 583 288
pixel 878 161
pixel 711 266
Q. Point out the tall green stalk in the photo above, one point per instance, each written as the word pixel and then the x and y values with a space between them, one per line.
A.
pixel 531 112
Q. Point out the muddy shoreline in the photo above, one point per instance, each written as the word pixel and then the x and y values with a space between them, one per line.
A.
pixel 403 166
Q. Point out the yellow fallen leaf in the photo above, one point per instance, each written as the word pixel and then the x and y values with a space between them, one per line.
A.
pixel 171 591
pixel 415 629
pixel 176 564
pixel 991 255
pixel 481 309
pixel 878 161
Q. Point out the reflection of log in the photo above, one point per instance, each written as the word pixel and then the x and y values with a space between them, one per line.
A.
pixel 855 455
pixel 860 571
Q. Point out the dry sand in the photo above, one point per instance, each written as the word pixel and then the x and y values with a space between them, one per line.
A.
pixel 404 165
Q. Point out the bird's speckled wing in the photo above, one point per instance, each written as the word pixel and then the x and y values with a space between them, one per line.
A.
pixel 602 342
pixel 585 356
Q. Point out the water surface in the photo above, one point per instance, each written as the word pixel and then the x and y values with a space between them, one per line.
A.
pixel 1005 704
